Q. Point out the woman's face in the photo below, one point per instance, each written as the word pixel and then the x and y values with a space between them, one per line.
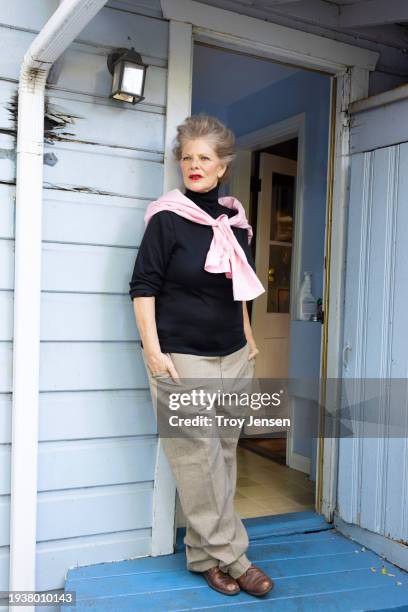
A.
pixel 200 165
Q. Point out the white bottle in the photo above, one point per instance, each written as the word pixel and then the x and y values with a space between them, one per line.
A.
pixel 306 303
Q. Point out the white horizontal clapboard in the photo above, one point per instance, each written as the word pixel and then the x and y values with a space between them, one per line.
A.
pixel 123 507
pixel 85 366
pixel 77 317
pixel 105 170
pixel 75 464
pixel 87 415
pixel 7 158
pixel 90 218
pixel 7 195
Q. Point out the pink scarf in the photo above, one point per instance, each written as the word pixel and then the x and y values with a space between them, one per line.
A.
pixel 225 253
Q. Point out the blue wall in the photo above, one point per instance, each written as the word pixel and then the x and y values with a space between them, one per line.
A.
pixel 306 92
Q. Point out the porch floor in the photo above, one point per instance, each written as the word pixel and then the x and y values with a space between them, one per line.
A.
pixel 313 566
pixel 314 569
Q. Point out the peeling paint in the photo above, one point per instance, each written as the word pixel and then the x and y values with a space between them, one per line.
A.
pixel 402 543
pixel 8 132
pixel 12 109
pixel 57 119
pixel 82 189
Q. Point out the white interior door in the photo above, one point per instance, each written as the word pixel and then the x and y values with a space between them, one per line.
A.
pixel 275 222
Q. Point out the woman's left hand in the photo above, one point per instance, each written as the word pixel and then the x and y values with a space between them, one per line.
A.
pixel 253 351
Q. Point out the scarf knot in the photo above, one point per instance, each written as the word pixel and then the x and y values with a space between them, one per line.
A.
pixel 225 254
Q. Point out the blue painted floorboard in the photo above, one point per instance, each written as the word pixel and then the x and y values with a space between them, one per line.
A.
pixel 314 569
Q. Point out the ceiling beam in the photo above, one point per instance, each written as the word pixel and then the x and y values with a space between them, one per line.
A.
pixel 373 12
pixel 264 3
pixel 268 3
pixel 311 11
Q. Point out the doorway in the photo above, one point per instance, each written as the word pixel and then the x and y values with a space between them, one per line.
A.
pixel 276 471
pixel 267 483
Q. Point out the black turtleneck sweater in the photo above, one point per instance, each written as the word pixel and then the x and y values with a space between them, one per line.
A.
pixel 195 309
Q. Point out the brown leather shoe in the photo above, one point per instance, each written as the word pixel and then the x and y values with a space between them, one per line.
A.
pixel 221 582
pixel 255 582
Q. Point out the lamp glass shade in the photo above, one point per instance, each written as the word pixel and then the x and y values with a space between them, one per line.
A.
pixel 132 79
pixel 116 77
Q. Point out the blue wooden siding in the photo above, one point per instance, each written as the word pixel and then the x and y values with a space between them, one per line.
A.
pixel 97 432
pixel 373 483
pixel 314 569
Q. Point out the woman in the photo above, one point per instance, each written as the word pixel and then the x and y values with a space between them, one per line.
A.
pixel 193 272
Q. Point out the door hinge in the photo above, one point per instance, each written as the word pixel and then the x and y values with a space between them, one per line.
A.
pixel 256 184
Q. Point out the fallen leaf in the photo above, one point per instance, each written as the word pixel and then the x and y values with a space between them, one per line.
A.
pixel 386 572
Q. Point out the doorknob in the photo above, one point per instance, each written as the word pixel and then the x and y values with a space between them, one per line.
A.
pixel 271 275
pixel 346 349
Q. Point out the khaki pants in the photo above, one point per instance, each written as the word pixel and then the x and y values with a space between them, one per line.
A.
pixel 205 470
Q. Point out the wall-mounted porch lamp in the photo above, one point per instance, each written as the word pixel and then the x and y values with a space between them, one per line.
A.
pixel 129 75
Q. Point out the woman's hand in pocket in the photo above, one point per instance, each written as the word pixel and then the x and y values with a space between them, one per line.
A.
pixel 161 363
pixel 253 351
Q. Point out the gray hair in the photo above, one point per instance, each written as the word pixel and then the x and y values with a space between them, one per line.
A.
pixel 203 126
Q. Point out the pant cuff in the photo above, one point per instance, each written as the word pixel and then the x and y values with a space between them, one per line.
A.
pixel 202 566
pixel 238 567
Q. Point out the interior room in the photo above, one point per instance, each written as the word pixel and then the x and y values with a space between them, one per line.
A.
pixel 280 115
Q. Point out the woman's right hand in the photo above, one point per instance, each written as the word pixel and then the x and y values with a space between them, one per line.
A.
pixel 161 362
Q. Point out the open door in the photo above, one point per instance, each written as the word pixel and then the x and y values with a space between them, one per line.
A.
pixel 372 492
pixel 271 311
pixel 274 241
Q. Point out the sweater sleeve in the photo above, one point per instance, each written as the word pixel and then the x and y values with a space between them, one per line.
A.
pixel 242 237
pixel 153 256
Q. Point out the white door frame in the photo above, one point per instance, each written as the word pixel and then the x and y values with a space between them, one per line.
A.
pixel 191 21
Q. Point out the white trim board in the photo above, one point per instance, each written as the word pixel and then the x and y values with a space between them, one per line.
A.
pixel 308 50
pixel 397 94
pixel 179 85
pixel 179 79
pixel 365 135
pixel 164 529
pixel 293 127
pixel 273 133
